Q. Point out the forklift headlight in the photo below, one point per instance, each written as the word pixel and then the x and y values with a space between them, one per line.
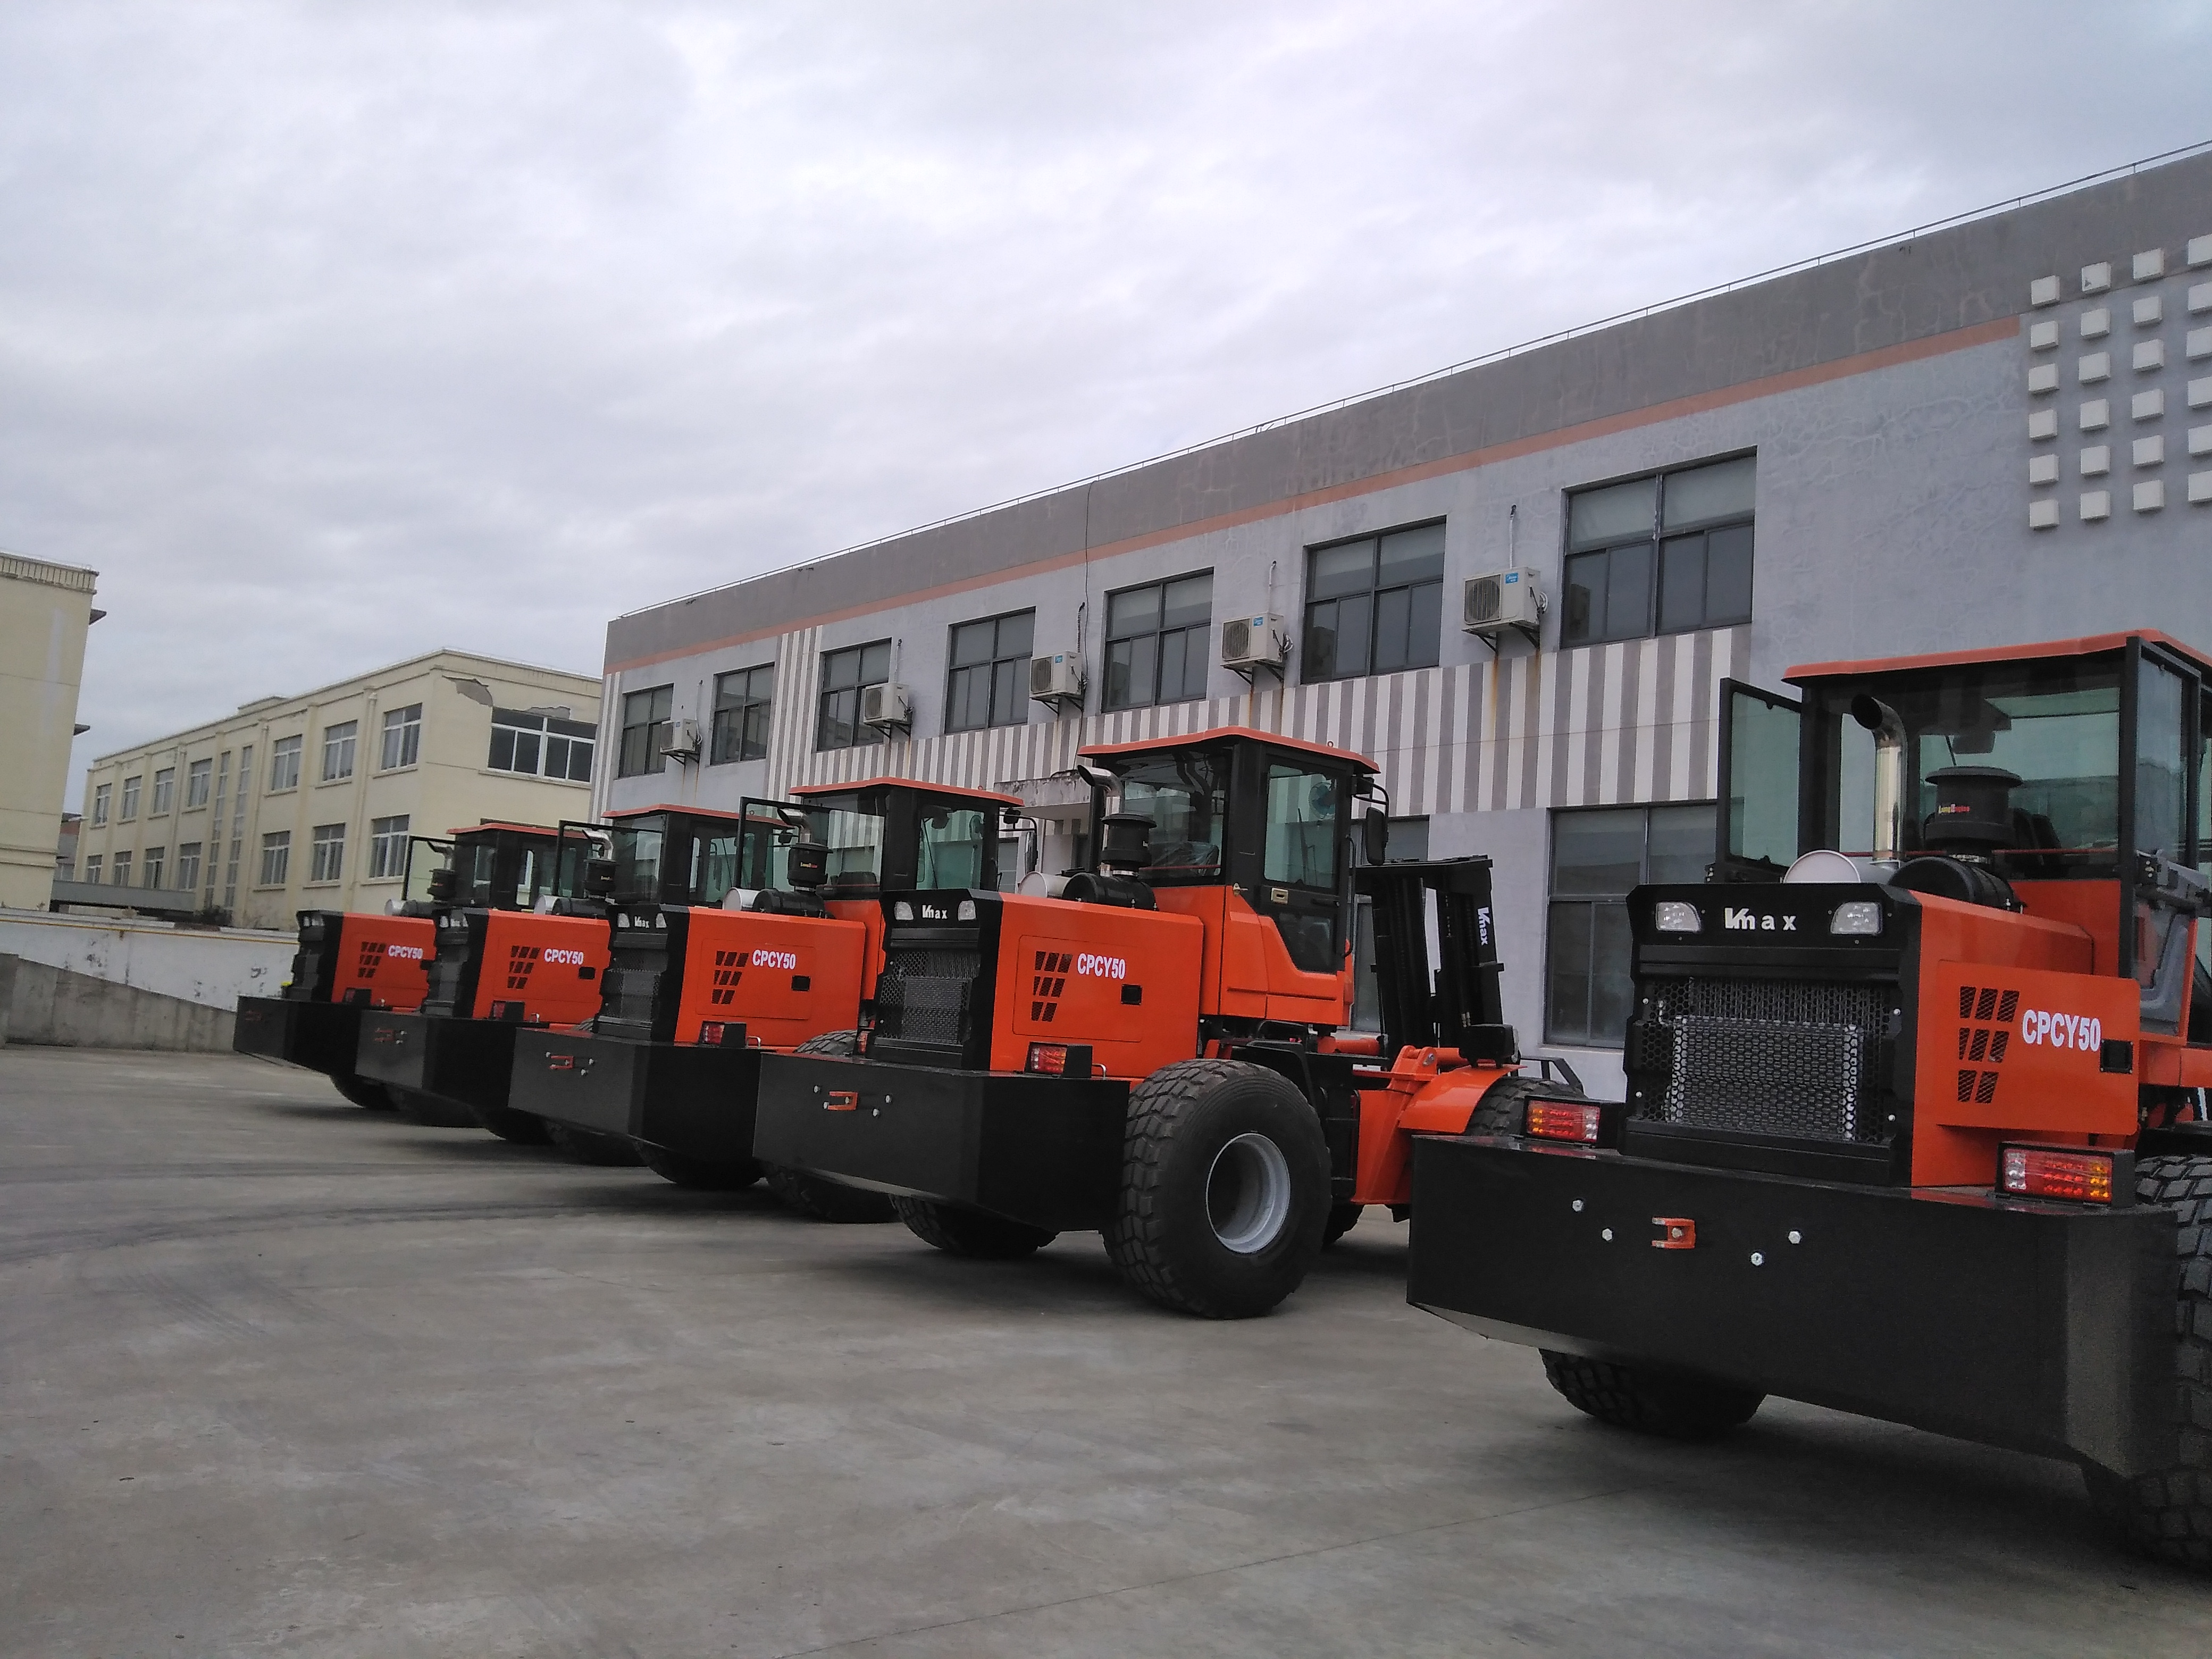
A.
pixel 1861 917
pixel 902 911
pixel 1674 916
pixel 967 910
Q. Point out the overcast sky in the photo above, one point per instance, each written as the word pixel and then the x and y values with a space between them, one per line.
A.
pixel 332 334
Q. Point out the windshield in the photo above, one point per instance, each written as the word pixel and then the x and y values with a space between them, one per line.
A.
pixel 1187 799
pixel 2042 739
pixel 425 858
pixel 952 851
pixel 855 840
pixel 635 849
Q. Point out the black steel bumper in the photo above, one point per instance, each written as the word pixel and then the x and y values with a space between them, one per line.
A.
pixel 695 1102
pixel 471 1061
pixel 2042 1327
pixel 1044 1151
pixel 319 1036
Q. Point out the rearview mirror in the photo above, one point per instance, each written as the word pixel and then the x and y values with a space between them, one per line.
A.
pixel 1374 837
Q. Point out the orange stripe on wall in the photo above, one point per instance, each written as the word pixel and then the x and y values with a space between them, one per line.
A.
pixel 1934 345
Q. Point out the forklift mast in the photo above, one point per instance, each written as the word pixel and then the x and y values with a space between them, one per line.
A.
pixel 1448 998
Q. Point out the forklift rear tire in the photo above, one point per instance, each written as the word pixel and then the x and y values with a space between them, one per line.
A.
pixel 2168 1514
pixel 1504 1108
pixel 1672 1404
pixel 432 1111
pixel 1224 1189
pixel 520 1127
pixel 970 1232
pixel 699 1176
pixel 1342 1219
pixel 590 1146
pixel 818 1200
pixel 369 1096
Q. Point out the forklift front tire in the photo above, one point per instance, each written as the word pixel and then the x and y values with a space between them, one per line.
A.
pixel 431 1111
pixel 369 1096
pixel 2168 1514
pixel 957 1231
pixel 1224 1189
pixel 818 1200
pixel 699 1176
pixel 1342 1219
pixel 520 1127
pixel 1671 1404
pixel 590 1146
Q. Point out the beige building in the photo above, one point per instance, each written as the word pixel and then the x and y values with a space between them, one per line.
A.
pixel 307 802
pixel 45 610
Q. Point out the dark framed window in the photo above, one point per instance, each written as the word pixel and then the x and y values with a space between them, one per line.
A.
pixel 742 702
pixel 645 731
pixel 548 746
pixel 1374 606
pixel 1156 641
pixel 1598 853
pixel 845 675
pixel 988 683
pixel 1661 555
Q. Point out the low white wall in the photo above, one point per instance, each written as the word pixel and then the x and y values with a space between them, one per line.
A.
pixel 211 967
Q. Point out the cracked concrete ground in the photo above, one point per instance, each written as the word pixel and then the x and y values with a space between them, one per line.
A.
pixel 280 1376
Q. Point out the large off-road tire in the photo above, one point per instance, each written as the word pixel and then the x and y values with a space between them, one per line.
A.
pixel 970 1232
pixel 810 1196
pixel 818 1200
pixel 369 1096
pixel 2168 1514
pixel 1674 1404
pixel 590 1146
pixel 1224 1189
pixel 432 1111
pixel 520 1127
pixel 1342 1219
pixel 699 1174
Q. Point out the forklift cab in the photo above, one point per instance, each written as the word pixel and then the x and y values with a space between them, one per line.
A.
pixel 489 865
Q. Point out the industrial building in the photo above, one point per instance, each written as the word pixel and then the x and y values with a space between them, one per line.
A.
pixel 307 802
pixel 45 610
pixel 1995 430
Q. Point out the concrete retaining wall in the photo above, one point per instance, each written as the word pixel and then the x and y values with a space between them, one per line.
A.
pixel 114 984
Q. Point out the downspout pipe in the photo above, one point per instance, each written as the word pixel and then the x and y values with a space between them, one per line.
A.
pixel 1880 719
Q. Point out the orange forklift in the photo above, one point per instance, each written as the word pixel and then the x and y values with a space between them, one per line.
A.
pixel 1916 1128
pixel 351 962
pixel 1156 1049
pixel 734 936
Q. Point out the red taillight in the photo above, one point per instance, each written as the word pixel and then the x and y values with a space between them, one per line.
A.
pixel 2049 1172
pixel 1552 1120
pixel 1060 1059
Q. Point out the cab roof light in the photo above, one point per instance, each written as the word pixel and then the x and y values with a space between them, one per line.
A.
pixel 1675 916
pixel 1558 1120
pixel 2080 1177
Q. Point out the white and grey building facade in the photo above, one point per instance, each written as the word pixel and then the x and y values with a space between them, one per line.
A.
pixel 1995 431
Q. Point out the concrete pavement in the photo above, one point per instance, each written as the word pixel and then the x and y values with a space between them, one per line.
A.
pixel 278 1376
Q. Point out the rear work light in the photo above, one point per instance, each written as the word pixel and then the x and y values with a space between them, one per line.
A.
pixel 1060 1059
pixel 1674 916
pixel 1553 1119
pixel 2051 1172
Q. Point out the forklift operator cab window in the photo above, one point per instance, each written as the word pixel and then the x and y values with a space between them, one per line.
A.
pixel 425 858
pixel 855 840
pixel 1187 801
pixel 952 851
pixel 2051 730
pixel 636 854
pixel 1303 841
pixel 713 866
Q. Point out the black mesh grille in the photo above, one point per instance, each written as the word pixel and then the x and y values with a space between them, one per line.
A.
pixel 1773 1057
pixel 921 996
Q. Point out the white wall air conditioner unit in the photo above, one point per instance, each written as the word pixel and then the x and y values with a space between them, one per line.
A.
pixel 682 745
pixel 1491 604
pixel 887 706
pixel 1254 643
pixel 1057 680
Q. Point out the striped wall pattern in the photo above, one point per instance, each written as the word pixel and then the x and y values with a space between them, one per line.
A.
pixel 1636 720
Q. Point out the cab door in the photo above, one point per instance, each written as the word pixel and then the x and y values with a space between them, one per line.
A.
pixel 1756 823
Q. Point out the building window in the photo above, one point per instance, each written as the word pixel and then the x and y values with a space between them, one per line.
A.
pixel 402 736
pixel 645 730
pixel 338 749
pixel 1374 606
pixel 155 862
pixel 196 784
pixel 188 866
pixel 1597 855
pixel 989 682
pixel 284 764
pixel 387 848
pixel 120 870
pixel 100 798
pixel 845 675
pixel 1156 641
pixel 131 799
pixel 276 858
pixel 92 869
pixel 742 704
pixel 1661 555
pixel 547 746
pixel 165 792
pixel 326 852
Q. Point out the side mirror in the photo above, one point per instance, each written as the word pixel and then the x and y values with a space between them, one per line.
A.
pixel 599 876
pixel 1374 837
